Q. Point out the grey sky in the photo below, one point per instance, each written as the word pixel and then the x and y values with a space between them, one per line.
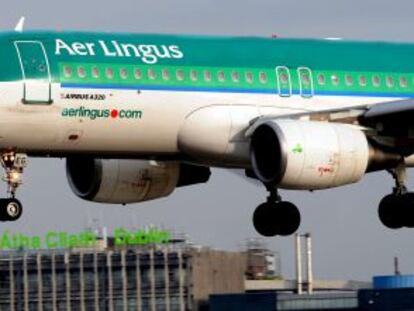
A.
pixel 349 241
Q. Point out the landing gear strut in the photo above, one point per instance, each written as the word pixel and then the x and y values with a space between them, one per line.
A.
pixel 396 210
pixel 276 217
pixel 13 163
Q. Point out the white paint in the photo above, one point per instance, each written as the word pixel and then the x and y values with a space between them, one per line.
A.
pixel 43 130
pixel 20 25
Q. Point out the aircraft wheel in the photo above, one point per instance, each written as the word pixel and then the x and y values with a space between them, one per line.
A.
pixel 391 211
pixel 290 218
pixel 408 217
pixel 10 209
pixel 276 218
pixel 264 219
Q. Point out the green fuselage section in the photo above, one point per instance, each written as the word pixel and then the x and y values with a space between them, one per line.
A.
pixel 212 64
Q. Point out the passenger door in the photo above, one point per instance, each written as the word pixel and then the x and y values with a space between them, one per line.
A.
pixel 35 70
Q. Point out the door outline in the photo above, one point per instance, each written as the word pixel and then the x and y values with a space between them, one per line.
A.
pixel 279 71
pixel 301 88
pixel 23 72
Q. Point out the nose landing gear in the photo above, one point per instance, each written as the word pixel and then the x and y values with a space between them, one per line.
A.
pixel 13 163
pixel 276 217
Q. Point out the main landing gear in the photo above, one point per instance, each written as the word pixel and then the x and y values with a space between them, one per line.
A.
pixel 13 163
pixel 396 210
pixel 276 217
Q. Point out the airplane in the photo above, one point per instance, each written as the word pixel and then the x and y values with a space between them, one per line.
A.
pixel 139 115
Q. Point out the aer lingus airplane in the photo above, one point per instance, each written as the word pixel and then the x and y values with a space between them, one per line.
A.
pixel 137 115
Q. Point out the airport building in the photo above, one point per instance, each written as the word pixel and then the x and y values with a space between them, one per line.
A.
pixel 179 276
pixel 396 295
pixel 169 277
pixel 385 293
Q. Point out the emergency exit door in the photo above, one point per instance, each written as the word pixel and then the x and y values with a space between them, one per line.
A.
pixel 284 82
pixel 305 82
pixel 35 72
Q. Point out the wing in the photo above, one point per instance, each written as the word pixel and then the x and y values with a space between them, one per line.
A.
pixel 390 118
pixel 393 123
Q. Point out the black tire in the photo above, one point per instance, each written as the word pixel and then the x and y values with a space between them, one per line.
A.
pixel 408 219
pixel 391 211
pixel 12 209
pixel 3 214
pixel 265 219
pixel 289 216
pixel 279 218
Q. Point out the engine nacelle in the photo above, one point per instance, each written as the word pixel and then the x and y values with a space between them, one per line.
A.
pixel 129 181
pixel 308 155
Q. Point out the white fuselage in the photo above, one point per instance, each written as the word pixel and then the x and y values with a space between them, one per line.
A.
pixel 41 129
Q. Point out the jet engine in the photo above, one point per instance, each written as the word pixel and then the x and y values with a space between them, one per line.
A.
pixel 129 181
pixel 294 154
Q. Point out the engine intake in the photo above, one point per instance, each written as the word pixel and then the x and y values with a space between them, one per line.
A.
pixel 309 155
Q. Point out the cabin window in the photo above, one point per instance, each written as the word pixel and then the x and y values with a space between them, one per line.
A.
pixel 376 81
pixel 95 72
pixel 285 79
pixel 305 78
pixel 335 79
pixel 321 79
pixel 221 76
pixel 249 77
pixel 151 74
pixel 207 76
pixel 123 73
pixel 165 74
pixel 235 76
pixel 362 81
pixel 403 82
pixel 349 80
pixel 109 73
pixel 67 71
pixel 81 72
pixel 193 75
pixel 180 75
pixel 389 81
pixel 263 77
pixel 138 74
